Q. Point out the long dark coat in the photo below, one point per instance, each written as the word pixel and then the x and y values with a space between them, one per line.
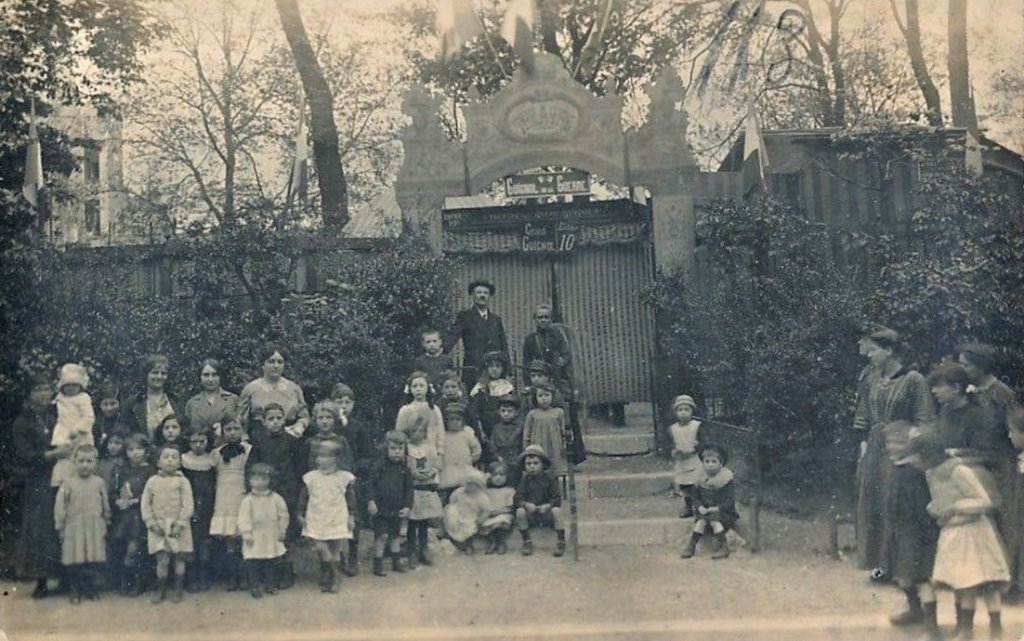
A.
pixel 478 337
pixel 38 547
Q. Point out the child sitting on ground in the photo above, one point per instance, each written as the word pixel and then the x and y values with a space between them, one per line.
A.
pixel 263 524
pixel 538 499
pixel 75 418
pixel 715 499
pixel 389 491
pixel 686 466
pixel 462 450
pixel 466 510
pixel 498 524
pixel 434 361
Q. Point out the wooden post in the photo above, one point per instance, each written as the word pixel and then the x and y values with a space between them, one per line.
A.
pixel 574 538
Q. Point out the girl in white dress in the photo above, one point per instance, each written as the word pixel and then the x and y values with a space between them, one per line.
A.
pixel 327 512
pixel 230 461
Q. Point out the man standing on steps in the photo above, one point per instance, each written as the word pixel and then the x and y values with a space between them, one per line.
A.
pixel 480 330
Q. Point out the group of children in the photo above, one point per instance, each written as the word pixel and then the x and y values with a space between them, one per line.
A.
pixel 460 464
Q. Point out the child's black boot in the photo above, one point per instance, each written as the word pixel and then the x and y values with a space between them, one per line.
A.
pixel 337 571
pixel 721 547
pixel 560 543
pixel 255 580
pixel 352 568
pixel 134 581
pixel 161 590
pixel 325 576
pixel 995 625
pixel 271 572
pixel 74 584
pixel 687 510
pixel 691 546
pixel 397 562
pixel 378 566
pixel 285 575
pixel 931 623
pixel 492 543
pixel 502 536
pixel 422 541
pixel 179 586
pixel 964 625
pixel 527 542
pixel 913 614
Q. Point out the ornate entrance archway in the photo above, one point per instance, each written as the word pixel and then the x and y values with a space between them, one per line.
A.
pixel 549 119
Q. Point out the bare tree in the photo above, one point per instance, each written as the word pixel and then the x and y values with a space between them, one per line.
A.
pixel 961 98
pixel 330 173
pixel 912 34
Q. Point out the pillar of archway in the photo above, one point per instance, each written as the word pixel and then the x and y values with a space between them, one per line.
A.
pixel 549 119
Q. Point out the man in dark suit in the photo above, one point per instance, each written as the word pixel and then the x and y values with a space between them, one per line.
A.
pixel 480 331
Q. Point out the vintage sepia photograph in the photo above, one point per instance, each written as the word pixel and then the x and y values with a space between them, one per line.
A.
pixel 512 320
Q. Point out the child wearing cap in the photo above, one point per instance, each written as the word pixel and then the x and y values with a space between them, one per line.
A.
pixel 461 450
pixel 538 499
pixel 494 383
pixel 507 434
pixel 466 510
pixel 545 426
pixel 686 466
pixel 75 417
pixel 714 498
pixel 540 373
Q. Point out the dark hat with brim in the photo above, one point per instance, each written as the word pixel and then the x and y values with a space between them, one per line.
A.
pixel 494 357
pixel 537 365
pixel 481 282
pixel 538 451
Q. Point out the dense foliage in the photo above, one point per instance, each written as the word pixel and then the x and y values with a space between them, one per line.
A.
pixel 769 337
pixel 360 326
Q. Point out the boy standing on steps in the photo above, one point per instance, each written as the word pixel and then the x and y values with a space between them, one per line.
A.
pixel 538 500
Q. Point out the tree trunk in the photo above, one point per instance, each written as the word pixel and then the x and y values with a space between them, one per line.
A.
pixel 912 34
pixel 832 48
pixel 548 18
pixel 960 98
pixel 330 173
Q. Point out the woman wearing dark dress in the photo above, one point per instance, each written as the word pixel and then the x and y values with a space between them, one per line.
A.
pixel 38 546
pixel 895 534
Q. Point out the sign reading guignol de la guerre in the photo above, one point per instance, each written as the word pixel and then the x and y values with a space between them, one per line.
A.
pixel 552 227
pixel 549 183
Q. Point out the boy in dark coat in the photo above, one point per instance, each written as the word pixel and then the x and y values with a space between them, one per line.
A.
pixel 360 441
pixel 389 491
pixel 285 453
pixel 434 360
pixel 538 499
pixel 507 436
pixel 715 499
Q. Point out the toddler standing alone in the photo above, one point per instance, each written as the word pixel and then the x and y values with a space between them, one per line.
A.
pixel 81 513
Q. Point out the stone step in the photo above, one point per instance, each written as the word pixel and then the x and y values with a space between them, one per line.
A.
pixel 620 443
pixel 624 485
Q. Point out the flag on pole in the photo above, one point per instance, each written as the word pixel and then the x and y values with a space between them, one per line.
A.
pixel 33 162
pixel 298 188
pixel 457 24
pixel 517 30
pixel 593 43
pixel 755 155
